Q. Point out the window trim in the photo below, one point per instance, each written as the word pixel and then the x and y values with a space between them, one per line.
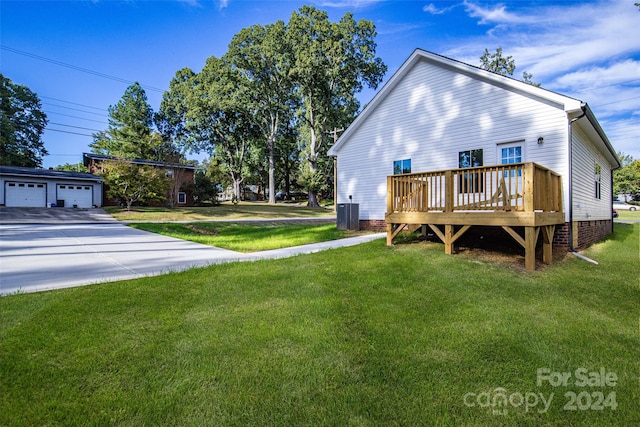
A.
pixel 470 183
pixel 511 144
pixel 182 198
pixel 402 166
pixel 597 178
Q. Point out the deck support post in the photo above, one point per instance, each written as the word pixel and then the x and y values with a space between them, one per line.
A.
pixel 547 240
pixel 530 239
pixel 448 239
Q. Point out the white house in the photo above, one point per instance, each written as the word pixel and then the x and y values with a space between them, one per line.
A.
pixel 436 113
pixel 31 187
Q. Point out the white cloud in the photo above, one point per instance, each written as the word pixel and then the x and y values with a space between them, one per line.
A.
pixel 194 3
pixel 347 4
pixel 497 15
pixel 432 9
pixel 624 135
pixel 594 77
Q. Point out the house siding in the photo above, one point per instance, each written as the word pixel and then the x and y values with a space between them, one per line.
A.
pixel 586 207
pixel 430 115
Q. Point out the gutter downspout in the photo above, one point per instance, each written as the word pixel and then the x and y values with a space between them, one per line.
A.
pixel 583 107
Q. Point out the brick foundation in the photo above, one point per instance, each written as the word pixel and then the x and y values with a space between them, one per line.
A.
pixel 373 224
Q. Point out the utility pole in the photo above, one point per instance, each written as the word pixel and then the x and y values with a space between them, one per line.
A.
pixel 334 132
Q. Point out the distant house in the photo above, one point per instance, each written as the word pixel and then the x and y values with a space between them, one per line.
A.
pixel 438 114
pixel 30 187
pixel 182 175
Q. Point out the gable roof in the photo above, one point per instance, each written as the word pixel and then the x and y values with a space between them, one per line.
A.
pixel 573 107
pixel 102 158
pixel 47 173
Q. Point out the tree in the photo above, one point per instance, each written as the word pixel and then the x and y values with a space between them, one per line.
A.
pixel 263 58
pixel 130 133
pixel 505 66
pixel 75 167
pixel 208 111
pixel 22 124
pixel 170 119
pixel 626 180
pixel 131 183
pixel 205 190
pixel 332 62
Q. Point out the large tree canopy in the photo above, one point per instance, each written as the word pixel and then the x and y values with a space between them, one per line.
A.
pixel 626 180
pixel 22 124
pixel 276 82
pixel 332 63
pixel 263 57
pixel 130 133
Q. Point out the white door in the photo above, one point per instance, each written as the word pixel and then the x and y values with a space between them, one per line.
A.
pixel 25 194
pixel 80 196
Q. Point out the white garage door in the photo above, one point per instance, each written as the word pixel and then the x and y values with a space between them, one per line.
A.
pixel 80 196
pixel 25 194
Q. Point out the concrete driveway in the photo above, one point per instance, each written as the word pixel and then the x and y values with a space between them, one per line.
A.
pixel 42 249
pixel 69 247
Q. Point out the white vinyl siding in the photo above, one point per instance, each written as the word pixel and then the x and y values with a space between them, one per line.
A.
pixel 586 207
pixel 432 114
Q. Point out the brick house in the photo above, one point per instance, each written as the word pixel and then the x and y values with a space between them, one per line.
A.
pixel 182 176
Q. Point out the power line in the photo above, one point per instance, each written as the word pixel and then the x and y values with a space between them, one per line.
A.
pixel 609 85
pixel 66 131
pixel 74 67
pixel 70 126
pixel 619 100
pixel 75 117
pixel 74 103
pixel 74 109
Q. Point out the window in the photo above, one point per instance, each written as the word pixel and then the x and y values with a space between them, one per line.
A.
pixel 470 182
pixel 598 181
pixel 510 155
pixel 182 198
pixel 401 166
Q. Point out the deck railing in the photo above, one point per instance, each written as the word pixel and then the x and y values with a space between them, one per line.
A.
pixel 524 187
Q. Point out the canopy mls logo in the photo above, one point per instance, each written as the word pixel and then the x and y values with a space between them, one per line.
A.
pixel 499 400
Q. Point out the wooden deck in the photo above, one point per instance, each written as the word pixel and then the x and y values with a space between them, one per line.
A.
pixel 450 202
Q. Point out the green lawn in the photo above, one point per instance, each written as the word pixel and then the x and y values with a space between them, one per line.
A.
pixel 247 237
pixel 629 215
pixel 224 211
pixel 367 336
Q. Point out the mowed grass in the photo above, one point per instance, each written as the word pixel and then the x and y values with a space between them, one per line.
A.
pixel 247 237
pixel 224 211
pixel 627 215
pixel 367 336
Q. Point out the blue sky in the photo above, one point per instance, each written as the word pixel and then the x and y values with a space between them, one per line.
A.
pixel 589 50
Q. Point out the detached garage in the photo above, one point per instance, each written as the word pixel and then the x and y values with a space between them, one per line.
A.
pixel 28 187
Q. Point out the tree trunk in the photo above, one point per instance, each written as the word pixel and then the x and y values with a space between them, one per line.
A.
pixel 313 157
pixel 272 172
pixel 236 187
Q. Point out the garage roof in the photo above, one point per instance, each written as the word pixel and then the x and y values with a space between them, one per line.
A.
pixel 47 173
